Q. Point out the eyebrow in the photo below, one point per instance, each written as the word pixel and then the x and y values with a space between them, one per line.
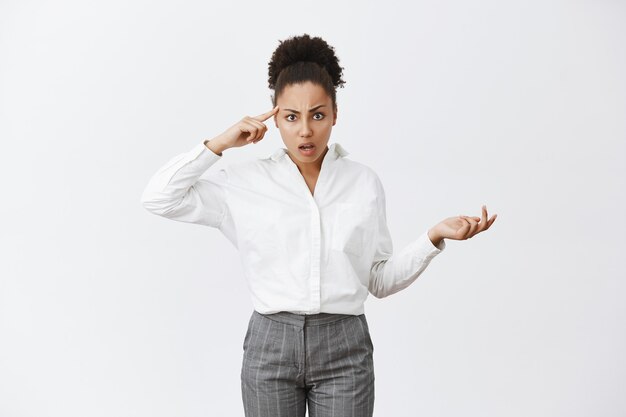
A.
pixel 312 110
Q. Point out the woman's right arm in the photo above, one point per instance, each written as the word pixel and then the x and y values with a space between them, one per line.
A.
pixel 176 190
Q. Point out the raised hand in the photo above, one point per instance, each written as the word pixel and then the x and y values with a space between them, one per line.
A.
pixel 245 131
pixel 460 227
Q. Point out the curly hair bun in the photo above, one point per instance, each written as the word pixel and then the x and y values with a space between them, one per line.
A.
pixel 305 48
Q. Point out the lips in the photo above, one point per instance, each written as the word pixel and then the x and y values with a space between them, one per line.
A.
pixel 306 144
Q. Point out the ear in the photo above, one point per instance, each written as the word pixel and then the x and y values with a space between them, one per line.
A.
pixel 335 117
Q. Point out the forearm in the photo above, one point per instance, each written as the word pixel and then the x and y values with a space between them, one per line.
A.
pixel 392 272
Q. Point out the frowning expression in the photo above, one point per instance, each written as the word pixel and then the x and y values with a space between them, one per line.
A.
pixel 305 115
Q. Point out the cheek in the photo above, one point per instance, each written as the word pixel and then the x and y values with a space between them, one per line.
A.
pixel 286 127
pixel 284 130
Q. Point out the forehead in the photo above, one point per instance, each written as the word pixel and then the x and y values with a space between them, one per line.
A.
pixel 306 94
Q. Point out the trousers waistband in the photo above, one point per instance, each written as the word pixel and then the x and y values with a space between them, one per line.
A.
pixel 303 320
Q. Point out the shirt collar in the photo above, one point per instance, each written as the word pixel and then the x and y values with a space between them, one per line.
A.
pixel 335 150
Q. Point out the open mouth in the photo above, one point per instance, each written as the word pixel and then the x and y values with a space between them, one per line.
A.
pixel 307 149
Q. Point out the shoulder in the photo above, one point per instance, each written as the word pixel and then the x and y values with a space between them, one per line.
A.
pixel 363 171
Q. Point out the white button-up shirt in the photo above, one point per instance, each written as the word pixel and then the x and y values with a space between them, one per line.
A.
pixel 301 252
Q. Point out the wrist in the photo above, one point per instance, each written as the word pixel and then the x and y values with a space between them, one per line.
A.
pixel 215 146
pixel 434 237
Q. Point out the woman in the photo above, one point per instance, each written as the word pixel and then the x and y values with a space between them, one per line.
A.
pixel 310 225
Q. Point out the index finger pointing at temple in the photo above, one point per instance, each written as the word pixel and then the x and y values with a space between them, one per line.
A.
pixel 263 117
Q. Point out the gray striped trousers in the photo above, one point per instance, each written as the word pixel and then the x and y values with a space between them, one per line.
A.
pixel 323 362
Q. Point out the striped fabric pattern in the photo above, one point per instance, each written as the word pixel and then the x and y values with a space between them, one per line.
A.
pixel 320 362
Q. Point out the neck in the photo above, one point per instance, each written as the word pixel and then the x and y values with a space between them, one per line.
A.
pixel 310 168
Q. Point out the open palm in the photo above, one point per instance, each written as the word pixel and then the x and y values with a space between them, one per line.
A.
pixel 463 227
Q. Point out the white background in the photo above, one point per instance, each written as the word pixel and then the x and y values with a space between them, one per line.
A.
pixel 108 310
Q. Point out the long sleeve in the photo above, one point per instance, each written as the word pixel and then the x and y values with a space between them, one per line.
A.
pixel 177 192
pixel 391 272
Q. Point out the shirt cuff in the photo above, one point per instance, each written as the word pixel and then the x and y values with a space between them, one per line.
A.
pixel 207 148
pixel 442 243
pixel 424 248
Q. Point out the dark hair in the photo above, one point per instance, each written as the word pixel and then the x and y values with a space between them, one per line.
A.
pixel 302 58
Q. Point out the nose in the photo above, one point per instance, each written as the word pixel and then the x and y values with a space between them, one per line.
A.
pixel 305 130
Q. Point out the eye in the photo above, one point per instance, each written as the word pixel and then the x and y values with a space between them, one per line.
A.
pixel 291 120
pixel 322 114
